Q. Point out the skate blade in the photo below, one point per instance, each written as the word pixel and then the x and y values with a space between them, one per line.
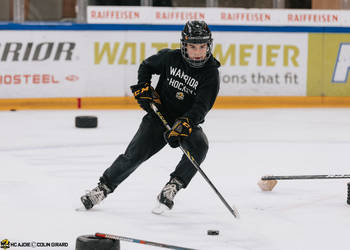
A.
pixel 160 209
pixel 80 209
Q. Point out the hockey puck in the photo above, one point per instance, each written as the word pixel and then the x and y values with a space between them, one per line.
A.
pixel 213 232
pixel 86 121
pixel 91 242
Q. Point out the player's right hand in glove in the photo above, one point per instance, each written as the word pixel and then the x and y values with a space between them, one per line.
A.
pixel 145 94
pixel 182 128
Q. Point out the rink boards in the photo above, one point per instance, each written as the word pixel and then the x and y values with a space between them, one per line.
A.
pixel 69 66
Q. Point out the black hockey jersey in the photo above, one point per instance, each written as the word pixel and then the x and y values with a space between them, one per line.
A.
pixel 184 90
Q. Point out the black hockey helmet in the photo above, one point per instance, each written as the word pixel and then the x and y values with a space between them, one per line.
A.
pixel 196 32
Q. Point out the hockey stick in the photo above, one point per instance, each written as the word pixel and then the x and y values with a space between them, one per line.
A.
pixel 304 177
pixel 116 237
pixel 232 209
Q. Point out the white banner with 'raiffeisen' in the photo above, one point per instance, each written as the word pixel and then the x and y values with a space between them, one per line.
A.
pixel 105 63
pixel 217 16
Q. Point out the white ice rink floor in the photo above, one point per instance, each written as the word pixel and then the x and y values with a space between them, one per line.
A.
pixel 47 164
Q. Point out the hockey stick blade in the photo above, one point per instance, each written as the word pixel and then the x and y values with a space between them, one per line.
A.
pixel 304 177
pixel 145 242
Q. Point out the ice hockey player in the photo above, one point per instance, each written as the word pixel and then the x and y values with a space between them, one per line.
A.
pixel 187 88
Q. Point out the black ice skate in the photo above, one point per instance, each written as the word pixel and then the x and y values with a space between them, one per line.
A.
pixel 95 196
pixel 166 196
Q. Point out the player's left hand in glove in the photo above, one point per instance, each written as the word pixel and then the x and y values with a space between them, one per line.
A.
pixel 145 94
pixel 182 128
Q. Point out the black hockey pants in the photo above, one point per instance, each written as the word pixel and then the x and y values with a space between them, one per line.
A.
pixel 147 141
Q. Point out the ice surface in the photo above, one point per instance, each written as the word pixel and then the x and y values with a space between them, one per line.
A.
pixel 47 164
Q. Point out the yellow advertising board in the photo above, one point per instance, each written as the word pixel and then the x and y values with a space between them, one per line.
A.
pixel 328 65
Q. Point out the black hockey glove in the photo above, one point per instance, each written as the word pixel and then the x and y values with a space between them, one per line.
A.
pixel 145 94
pixel 182 128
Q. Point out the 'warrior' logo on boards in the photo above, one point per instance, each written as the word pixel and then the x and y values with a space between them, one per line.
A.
pixel 18 51
pixel 342 65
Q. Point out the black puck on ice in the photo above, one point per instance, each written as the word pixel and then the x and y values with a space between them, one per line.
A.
pixel 91 242
pixel 86 121
pixel 213 232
